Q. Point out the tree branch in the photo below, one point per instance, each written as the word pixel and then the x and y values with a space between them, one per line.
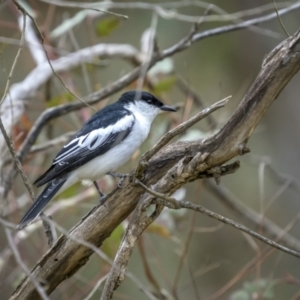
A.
pixel 60 110
pixel 250 215
pixel 173 166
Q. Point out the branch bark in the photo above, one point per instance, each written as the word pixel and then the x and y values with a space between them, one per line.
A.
pixel 182 161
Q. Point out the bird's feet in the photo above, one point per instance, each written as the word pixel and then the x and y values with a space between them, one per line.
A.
pixel 102 199
pixel 118 175
pixel 102 195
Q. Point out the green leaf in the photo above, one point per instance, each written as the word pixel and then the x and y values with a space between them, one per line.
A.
pixel 164 67
pixel 263 287
pixel 69 24
pixel 159 230
pixel 240 295
pixel 70 192
pixel 107 25
pixel 111 245
pixel 164 85
pixel 60 99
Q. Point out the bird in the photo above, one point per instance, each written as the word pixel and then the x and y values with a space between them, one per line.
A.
pixel 104 143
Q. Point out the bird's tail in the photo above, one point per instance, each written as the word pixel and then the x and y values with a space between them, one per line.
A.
pixel 39 204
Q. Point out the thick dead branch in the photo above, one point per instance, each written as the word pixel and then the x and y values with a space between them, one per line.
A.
pixel 188 160
pixel 175 132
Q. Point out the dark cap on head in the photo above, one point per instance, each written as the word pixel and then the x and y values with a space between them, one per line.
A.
pixel 132 96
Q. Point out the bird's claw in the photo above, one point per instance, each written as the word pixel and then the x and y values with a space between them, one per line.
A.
pixel 119 175
pixel 102 199
pixel 120 182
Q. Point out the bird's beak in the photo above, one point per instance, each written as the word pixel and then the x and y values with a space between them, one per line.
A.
pixel 167 108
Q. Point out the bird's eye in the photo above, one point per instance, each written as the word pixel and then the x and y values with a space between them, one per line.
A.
pixel 149 101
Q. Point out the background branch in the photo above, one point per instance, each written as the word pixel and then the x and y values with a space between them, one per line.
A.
pixel 200 154
pixel 173 166
pixel 86 55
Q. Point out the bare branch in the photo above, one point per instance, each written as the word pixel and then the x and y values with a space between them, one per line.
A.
pixel 59 65
pixel 38 76
pixel 91 6
pixel 17 256
pixel 268 226
pixel 52 143
pixel 96 287
pixel 211 214
pixel 122 82
pixel 172 167
pixel 15 61
pixel 161 9
pixel 279 19
pixel 248 23
pixel 16 160
pixel 177 131
pixel 189 92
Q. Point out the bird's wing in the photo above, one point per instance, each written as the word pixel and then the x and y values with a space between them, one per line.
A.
pixel 91 141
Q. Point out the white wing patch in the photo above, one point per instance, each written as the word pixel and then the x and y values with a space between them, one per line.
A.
pixel 94 139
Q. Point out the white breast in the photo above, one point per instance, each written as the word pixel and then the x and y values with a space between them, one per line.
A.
pixel 117 156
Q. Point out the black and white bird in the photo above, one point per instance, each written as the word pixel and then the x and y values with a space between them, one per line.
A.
pixel 105 142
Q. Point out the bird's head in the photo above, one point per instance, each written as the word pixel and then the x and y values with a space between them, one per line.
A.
pixel 144 103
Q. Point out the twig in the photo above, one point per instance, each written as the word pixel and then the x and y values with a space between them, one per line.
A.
pixel 175 204
pixel 23 235
pixel 263 255
pixel 147 269
pixel 51 113
pixel 38 76
pixel 21 8
pixel 279 19
pixel 176 131
pixel 27 183
pixel 133 75
pixel 184 253
pixel 16 160
pixel 160 9
pixel 169 202
pixel 138 223
pixel 49 230
pixel 221 148
pixel 77 239
pixel 194 282
pixel 90 6
pixel 149 39
pixel 19 261
pixel 97 251
pixel 173 201
pixel 95 288
pixel 8 140
pixel 247 23
pixel 15 61
pixel 52 143
pixel 228 199
pixel 129 78
pixel 8 225
pixel 46 146
pixel 83 66
pixel 189 92
pixel 185 250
